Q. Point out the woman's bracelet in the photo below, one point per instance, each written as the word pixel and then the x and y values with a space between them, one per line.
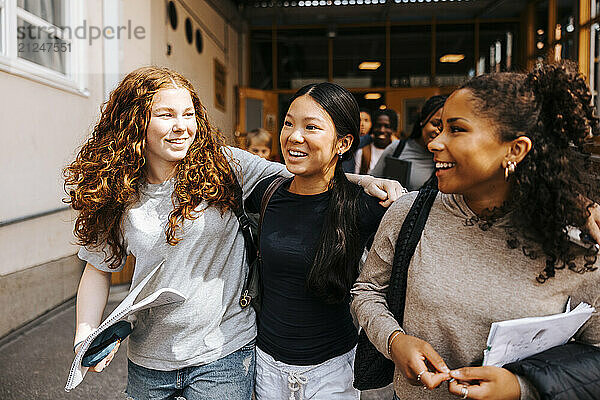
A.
pixel 393 336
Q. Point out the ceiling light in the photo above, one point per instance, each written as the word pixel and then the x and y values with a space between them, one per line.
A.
pixel 540 45
pixel 452 58
pixel 382 107
pixel 372 96
pixel 540 31
pixel 370 65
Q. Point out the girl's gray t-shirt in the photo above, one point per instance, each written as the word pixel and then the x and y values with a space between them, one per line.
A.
pixel 208 266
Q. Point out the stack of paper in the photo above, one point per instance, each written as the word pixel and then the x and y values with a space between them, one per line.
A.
pixel 517 339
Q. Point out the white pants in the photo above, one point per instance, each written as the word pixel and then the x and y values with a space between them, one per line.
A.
pixel 330 380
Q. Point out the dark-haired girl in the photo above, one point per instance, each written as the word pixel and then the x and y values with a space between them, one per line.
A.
pixel 512 177
pixel 314 231
pixel 414 149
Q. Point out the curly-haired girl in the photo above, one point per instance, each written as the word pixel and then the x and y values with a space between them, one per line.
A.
pixel 154 181
pixel 512 177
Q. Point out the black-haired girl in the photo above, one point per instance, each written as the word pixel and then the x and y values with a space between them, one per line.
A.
pixel 512 177
pixel 414 149
pixel 314 231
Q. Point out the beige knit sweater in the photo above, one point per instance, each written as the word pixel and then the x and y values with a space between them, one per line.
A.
pixel 461 279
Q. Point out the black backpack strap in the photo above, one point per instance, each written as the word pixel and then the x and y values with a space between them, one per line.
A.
pixel 244 221
pixel 432 182
pixel 277 182
pixel 399 148
pixel 408 238
pixel 252 288
pixel 372 369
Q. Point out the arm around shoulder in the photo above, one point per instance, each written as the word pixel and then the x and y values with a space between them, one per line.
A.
pixel 251 169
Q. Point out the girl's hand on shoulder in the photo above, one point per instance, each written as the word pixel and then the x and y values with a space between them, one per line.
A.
pixel 413 356
pixel 489 383
pixel 387 190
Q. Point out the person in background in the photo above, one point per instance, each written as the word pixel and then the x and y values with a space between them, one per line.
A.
pixel 414 149
pixel 385 126
pixel 365 122
pixel 314 231
pixel 511 179
pixel 258 142
pixel 365 139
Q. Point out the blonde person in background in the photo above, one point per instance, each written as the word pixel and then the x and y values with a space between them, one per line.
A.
pixel 258 142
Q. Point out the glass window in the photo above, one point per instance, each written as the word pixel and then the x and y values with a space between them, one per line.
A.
pixel 410 56
pixel 43 41
pixel 455 50
pixel 2 28
pixel 354 46
pixel 261 59
pixel 502 36
pixel 566 32
pixel 41 47
pixel 302 57
pixel 541 30
pixel 595 63
pixel 51 11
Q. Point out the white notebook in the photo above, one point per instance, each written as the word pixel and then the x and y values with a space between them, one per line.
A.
pixel 125 308
pixel 517 339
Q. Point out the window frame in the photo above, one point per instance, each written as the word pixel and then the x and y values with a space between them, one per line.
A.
pixel 73 80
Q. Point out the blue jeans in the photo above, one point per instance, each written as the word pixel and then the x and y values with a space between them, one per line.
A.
pixel 229 378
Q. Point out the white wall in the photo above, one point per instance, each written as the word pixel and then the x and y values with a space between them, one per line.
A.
pixel 41 128
pixel 220 42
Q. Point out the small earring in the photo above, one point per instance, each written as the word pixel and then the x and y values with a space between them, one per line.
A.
pixel 509 169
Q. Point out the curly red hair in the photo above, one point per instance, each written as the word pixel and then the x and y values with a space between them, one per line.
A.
pixel 106 176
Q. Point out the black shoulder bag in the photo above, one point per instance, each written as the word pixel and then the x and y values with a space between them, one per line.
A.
pixel 252 289
pixel 372 370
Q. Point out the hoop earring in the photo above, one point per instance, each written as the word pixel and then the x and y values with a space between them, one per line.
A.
pixel 510 169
